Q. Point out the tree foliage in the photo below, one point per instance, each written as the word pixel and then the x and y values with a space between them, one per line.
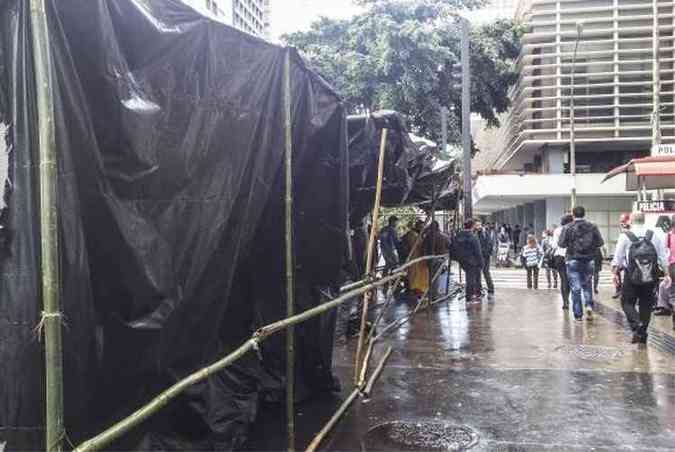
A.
pixel 400 55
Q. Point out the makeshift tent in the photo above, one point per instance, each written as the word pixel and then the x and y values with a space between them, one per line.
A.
pixel 404 163
pixel 170 141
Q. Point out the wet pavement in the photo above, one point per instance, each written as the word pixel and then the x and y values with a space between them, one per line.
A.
pixel 517 372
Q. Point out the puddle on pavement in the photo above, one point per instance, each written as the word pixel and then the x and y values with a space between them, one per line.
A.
pixel 419 436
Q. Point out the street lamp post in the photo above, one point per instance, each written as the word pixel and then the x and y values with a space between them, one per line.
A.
pixel 573 150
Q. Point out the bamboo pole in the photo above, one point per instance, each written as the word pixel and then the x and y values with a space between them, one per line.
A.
pixel 117 430
pixel 290 289
pixel 376 373
pixel 49 240
pixel 370 251
pixel 332 421
pixel 313 446
pixel 140 415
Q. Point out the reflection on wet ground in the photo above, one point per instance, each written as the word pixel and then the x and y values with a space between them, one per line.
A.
pixel 518 371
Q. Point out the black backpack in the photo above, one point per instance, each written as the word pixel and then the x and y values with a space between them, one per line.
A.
pixel 583 238
pixel 642 259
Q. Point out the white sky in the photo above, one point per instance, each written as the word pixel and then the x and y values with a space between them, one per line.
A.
pixel 297 15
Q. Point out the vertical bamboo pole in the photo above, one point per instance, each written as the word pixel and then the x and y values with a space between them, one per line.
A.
pixel 290 290
pixel 371 249
pixel 49 246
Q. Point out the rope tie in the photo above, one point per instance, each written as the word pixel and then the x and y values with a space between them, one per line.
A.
pixel 44 316
pixel 256 347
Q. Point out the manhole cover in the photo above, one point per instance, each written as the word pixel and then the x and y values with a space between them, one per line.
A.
pixel 412 436
pixel 593 352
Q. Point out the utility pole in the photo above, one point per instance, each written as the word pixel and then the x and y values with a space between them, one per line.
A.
pixel 656 86
pixel 466 118
pixel 573 149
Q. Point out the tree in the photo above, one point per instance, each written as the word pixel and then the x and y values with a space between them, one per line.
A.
pixel 400 55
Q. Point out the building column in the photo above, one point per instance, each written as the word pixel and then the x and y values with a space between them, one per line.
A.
pixel 555 209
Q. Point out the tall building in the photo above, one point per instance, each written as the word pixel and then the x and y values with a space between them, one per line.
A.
pixel 251 16
pixel 494 9
pixel 623 67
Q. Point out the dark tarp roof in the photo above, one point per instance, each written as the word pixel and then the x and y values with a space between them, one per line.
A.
pixel 170 142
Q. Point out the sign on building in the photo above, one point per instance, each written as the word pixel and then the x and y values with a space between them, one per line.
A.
pixel 663 149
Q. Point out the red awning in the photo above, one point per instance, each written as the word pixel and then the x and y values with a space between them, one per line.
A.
pixel 657 172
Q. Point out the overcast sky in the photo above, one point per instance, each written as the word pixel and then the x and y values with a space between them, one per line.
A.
pixel 295 15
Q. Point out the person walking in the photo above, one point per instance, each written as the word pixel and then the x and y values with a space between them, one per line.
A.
pixel 532 256
pixel 559 261
pixel 516 239
pixel 487 249
pixel 548 247
pixel 389 244
pixel 666 301
pixel 624 225
pixel 465 249
pixel 597 268
pixel 640 257
pixel 581 238
pixel 418 274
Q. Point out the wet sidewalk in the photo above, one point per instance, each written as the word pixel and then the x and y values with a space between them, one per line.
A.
pixel 516 374
pixel 523 375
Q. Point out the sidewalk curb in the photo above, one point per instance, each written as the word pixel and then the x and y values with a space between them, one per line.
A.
pixel 660 339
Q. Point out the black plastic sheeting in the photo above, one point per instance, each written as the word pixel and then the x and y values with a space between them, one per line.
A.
pixel 404 163
pixel 169 131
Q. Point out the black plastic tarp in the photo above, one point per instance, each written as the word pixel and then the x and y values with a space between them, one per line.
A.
pixel 169 132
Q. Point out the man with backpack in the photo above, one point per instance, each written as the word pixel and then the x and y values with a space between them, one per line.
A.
pixel 465 249
pixel 487 248
pixel 642 258
pixel 581 239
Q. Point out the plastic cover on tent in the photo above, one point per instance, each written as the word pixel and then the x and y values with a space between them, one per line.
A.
pixel 170 138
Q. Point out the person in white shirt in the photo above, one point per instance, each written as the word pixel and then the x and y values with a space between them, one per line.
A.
pixel 634 292
pixel 559 261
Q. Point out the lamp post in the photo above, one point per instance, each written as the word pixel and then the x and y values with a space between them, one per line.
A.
pixel 573 150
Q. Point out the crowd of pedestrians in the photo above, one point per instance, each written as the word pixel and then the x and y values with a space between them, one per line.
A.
pixel 571 255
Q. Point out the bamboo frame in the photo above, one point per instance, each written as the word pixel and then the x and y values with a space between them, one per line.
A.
pixel 106 437
pixel 290 277
pixel 376 373
pixel 49 239
pixel 369 261
pixel 332 421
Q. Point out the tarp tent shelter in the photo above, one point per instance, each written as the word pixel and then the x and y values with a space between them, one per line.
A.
pixel 169 133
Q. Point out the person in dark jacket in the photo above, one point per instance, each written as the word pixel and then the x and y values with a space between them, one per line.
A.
pixel 581 239
pixel 487 249
pixel 516 238
pixel 465 249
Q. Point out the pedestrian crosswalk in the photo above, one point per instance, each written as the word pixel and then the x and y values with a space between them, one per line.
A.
pixel 516 278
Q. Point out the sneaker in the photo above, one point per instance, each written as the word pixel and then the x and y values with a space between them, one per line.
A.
pixel 566 307
pixel 578 319
pixel 643 339
pixel 616 295
pixel 635 339
pixel 589 313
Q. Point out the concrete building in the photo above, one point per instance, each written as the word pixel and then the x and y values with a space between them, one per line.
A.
pixel 624 66
pixel 251 16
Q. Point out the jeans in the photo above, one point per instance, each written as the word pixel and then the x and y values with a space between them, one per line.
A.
pixel 551 273
pixel 559 263
pixel 488 277
pixel 580 275
pixel 645 297
pixel 533 277
pixel 472 281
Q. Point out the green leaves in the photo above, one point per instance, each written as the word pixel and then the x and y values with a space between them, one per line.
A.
pixel 398 55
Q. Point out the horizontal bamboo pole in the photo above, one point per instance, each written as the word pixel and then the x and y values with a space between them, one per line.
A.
pixel 117 430
pixel 333 420
pixel 123 426
pixel 376 373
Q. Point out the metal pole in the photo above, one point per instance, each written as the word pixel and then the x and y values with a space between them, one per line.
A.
pixel 51 315
pixel 466 117
pixel 573 150
pixel 656 83
pixel 290 292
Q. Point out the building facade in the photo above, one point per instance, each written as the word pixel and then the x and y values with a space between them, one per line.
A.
pixel 622 80
pixel 251 16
